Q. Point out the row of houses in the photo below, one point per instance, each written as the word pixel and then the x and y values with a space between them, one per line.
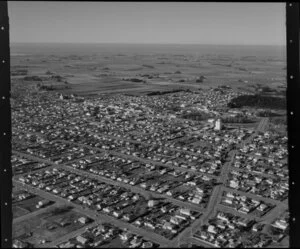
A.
pixel 245 205
pixel 228 230
pixel 104 234
pixel 111 200
pixel 276 189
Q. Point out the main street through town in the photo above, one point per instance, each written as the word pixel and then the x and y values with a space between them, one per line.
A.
pixel 218 190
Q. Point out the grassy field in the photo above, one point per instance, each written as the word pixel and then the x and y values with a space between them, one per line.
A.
pixel 47 226
pixel 28 205
pixel 23 207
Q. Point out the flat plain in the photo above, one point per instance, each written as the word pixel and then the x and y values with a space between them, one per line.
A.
pixel 137 69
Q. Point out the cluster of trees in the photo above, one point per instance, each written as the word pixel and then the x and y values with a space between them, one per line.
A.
pixel 266 89
pixel 60 210
pixel 19 72
pixel 258 101
pixel 149 76
pixel 41 87
pixel 49 72
pixel 267 113
pixel 200 79
pixel 174 108
pixel 167 92
pixel 16 94
pixel 279 120
pixel 58 78
pixel 238 119
pixel 111 111
pixel 32 78
pixel 136 80
pixel 225 87
pixel 196 116
pixel 95 111
pixel 45 87
pixel 148 66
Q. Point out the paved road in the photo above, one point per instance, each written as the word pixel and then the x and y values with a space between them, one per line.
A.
pixel 266 219
pixel 210 209
pixel 135 189
pixel 263 125
pixel 48 161
pixel 236 213
pixel 215 197
pixel 216 194
pixel 33 214
pixel 32 157
pixel 133 157
pixel 122 139
pixel 227 167
pixel 143 160
pixel 96 215
pixel 244 170
pixel 275 212
pixel 200 242
pixel 253 196
pixel 145 144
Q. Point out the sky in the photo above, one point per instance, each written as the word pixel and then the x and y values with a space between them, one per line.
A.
pixel 147 22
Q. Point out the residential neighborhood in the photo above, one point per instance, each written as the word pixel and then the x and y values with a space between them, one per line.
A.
pixel 145 173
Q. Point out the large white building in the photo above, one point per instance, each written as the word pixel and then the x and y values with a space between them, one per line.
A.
pixel 218 125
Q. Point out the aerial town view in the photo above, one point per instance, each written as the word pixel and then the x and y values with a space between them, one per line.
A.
pixel 149 146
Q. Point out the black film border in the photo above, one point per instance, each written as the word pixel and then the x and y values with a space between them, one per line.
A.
pixel 293 116
pixel 5 130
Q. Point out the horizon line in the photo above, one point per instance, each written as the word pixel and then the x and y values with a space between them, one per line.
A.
pixel 143 43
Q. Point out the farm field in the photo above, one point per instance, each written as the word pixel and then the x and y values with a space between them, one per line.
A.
pixel 139 69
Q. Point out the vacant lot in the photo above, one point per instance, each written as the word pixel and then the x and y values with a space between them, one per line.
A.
pixel 48 226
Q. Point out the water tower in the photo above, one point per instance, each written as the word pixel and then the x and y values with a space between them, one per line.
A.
pixel 218 124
